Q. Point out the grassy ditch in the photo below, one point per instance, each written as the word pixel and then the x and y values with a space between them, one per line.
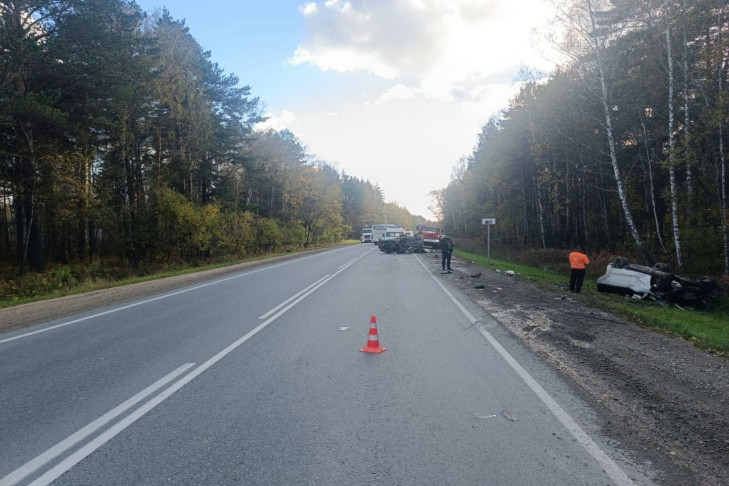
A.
pixel 706 329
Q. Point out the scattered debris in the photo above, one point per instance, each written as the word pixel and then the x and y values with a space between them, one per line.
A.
pixel 509 417
pixel 476 275
pixel 509 272
pixel 343 328
pixel 479 286
pixel 483 417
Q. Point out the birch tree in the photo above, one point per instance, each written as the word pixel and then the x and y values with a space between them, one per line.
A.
pixel 583 25
pixel 671 139
pixel 721 67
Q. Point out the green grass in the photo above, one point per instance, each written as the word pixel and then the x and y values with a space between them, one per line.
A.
pixel 706 329
pixel 533 274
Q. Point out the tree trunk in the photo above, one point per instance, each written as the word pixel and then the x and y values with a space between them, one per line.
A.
pixel 652 188
pixel 611 143
pixel 686 131
pixel 722 162
pixel 671 147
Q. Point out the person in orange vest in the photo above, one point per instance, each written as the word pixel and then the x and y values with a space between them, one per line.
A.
pixel 578 262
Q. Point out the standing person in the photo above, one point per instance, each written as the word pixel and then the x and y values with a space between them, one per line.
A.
pixel 578 262
pixel 446 249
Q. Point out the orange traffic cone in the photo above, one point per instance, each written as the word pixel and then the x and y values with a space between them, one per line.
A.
pixel 373 341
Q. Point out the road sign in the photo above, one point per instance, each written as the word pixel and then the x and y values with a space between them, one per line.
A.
pixel 489 222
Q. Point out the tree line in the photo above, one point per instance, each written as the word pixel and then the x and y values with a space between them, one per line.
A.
pixel 622 148
pixel 120 139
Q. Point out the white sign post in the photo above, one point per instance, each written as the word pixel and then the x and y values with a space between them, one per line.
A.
pixel 489 222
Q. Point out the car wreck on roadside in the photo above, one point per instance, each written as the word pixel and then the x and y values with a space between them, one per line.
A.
pixel 658 283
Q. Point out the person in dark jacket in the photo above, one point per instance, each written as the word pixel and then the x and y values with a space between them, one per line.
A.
pixel 446 250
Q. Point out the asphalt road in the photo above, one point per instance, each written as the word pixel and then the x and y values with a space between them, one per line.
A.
pixel 257 378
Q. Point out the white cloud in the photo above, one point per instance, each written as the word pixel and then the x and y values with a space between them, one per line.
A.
pixel 309 9
pixel 286 120
pixel 397 92
pixel 446 46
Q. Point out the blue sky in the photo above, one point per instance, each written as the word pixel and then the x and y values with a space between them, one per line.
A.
pixel 391 91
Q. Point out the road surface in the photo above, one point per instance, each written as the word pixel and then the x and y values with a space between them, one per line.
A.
pixel 257 378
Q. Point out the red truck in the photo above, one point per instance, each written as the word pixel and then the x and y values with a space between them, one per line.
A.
pixel 430 235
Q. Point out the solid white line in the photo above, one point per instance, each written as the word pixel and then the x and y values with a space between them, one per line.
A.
pixel 70 461
pixel 610 467
pixel 147 301
pixel 264 316
pixel 33 465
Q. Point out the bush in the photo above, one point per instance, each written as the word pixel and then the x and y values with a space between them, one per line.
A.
pixel 62 276
pixel 294 236
pixel 268 235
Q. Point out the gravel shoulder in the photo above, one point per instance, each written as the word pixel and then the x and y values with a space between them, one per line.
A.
pixel 661 393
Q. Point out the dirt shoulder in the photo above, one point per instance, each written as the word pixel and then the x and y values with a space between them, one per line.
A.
pixel 662 394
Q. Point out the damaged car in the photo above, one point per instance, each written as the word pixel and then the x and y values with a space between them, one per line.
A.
pixel 658 283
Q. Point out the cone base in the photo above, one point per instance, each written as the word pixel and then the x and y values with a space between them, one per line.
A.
pixel 373 350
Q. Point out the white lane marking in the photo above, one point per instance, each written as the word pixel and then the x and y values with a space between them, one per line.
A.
pixel 73 459
pixel 610 467
pixel 264 316
pixel 349 262
pixel 147 301
pixel 33 465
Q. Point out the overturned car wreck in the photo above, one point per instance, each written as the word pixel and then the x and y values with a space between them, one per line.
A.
pixel 403 244
pixel 658 283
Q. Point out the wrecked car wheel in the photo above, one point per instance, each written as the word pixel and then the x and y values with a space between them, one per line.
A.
pixel 620 262
pixel 662 267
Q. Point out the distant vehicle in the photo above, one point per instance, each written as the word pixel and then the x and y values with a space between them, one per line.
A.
pixel 430 235
pixel 409 233
pixel 378 231
pixel 393 233
pixel 366 235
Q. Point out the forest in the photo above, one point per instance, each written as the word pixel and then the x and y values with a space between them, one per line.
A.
pixel 123 142
pixel 620 149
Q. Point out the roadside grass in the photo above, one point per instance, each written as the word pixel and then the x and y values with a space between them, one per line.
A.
pixel 707 330
pixel 65 280
pixel 68 280
pixel 537 275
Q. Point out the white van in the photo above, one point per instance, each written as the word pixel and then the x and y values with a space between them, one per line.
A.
pixel 393 233
pixel 378 231
pixel 366 235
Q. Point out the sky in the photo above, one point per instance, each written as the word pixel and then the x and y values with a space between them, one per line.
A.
pixel 390 91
